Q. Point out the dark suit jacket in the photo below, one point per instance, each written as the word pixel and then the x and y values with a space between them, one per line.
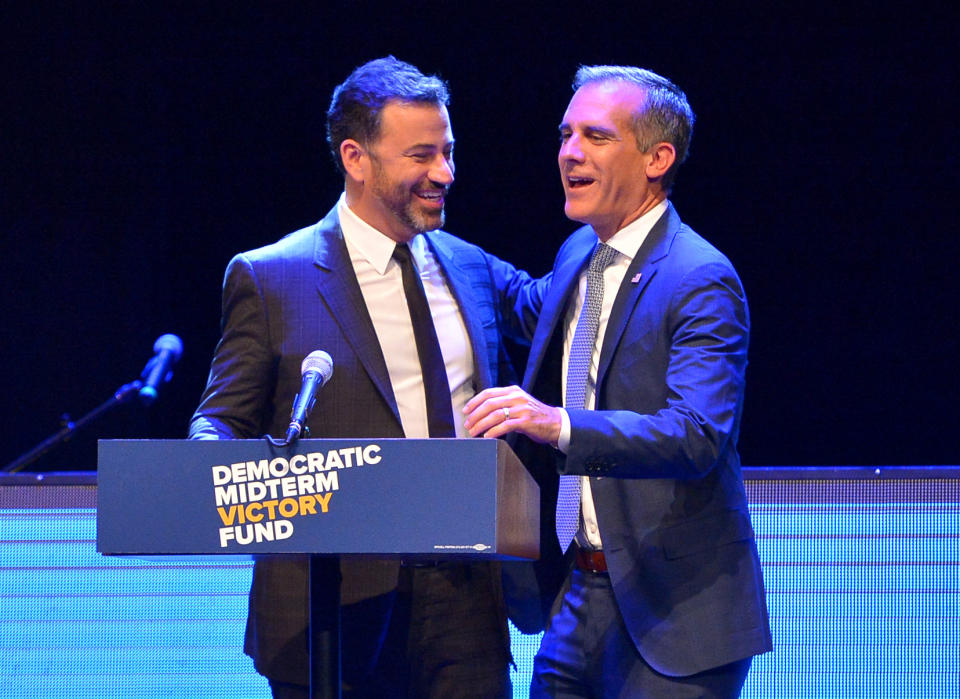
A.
pixel 280 303
pixel 660 447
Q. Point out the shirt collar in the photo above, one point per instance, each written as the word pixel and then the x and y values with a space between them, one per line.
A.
pixel 628 239
pixel 370 243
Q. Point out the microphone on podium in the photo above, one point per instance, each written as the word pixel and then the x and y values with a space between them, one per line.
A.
pixel 316 370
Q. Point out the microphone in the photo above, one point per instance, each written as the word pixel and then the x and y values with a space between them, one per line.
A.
pixel 167 350
pixel 316 370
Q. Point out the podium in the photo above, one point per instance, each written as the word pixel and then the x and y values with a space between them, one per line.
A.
pixel 408 499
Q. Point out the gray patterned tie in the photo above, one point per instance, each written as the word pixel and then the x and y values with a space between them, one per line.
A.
pixel 578 373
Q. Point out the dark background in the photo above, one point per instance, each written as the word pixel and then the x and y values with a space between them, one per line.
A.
pixel 143 146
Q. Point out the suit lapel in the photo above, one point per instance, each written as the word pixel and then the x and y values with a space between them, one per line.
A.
pixel 562 290
pixel 654 248
pixel 464 292
pixel 337 285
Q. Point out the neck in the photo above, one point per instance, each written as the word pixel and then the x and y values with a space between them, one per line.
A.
pixel 605 232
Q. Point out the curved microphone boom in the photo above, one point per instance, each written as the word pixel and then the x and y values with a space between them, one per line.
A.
pixel 166 352
pixel 316 370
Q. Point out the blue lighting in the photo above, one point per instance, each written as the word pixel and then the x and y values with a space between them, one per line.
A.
pixel 863 586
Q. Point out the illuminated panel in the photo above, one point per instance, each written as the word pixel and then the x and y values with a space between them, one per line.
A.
pixel 862 572
pixel 862 569
pixel 77 624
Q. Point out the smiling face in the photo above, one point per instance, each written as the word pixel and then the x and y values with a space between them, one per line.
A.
pixel 606 178
pixel 400 181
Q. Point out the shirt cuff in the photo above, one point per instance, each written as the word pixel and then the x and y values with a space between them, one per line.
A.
pixel 563 442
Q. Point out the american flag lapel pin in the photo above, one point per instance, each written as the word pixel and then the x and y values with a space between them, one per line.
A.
pixel 636 278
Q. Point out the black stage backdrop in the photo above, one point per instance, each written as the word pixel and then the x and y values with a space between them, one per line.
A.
pixel 144 144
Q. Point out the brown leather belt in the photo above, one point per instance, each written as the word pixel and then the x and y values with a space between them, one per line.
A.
pixel 592 561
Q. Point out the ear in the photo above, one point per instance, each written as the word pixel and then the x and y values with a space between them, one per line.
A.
pixel 662 157
pixel 353 157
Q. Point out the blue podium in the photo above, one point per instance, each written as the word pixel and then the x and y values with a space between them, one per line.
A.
pixel 436 498
pixel 388 498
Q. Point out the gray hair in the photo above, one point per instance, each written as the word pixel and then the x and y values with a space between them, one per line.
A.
pixel 665 115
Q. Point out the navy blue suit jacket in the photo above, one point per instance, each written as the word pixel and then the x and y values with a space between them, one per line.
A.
pixel 280 303
pixel 661 447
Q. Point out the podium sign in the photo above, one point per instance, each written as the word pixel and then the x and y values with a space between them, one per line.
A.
pixel 432 498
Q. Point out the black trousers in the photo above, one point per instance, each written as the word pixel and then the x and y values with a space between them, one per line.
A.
pixel 446 637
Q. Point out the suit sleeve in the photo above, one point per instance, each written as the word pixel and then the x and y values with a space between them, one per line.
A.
pixel 707 331
pixel 239 385
pixel 520 298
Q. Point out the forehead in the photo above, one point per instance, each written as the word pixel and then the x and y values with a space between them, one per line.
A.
pixel 608 103
pixel 408 123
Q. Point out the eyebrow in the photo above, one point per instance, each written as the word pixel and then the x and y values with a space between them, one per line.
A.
pixel 429 146
pixel 600 131
pixel 591 131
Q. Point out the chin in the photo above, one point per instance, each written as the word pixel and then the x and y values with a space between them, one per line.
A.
pixel 429 223
pixel 436 218
pixel 573 213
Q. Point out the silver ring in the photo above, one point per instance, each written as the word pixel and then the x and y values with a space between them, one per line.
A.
pixel 506 412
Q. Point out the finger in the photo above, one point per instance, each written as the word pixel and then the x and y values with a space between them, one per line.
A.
pixel 491 417
pixel 501 428
pixel 488 393
pixel 483 396
pixel 482 425
pixel 477 414
pixel 495 432
pixel 489 406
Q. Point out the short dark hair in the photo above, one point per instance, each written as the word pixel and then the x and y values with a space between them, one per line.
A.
pixel 358 102
pixel 665 115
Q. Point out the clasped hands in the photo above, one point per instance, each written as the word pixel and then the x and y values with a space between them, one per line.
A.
pixel 496 411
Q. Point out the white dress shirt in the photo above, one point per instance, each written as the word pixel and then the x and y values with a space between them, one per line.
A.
pixel 626 241
pixel 379 276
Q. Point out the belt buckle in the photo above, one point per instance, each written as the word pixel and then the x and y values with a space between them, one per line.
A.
pixel 591 561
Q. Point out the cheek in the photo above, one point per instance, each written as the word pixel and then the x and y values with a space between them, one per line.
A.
pixel 621 182
pixel 419 176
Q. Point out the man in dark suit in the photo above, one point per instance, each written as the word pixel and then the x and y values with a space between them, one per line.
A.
pixel 409 315
pixel 644 329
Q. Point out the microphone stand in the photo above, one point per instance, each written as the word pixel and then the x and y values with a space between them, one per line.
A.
pixel 123 395
pixel 324 620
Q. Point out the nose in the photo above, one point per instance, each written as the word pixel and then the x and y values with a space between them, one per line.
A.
pixel 570 149
pixel 442 171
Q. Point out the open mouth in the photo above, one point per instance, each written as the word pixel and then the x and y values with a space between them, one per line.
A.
pixel 579 182
pixel 432 197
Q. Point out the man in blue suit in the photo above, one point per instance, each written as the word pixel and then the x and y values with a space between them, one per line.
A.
pixel 642 337
pixel 411 318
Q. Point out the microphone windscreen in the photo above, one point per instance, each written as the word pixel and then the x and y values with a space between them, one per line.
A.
pixel 320 362
pixel 169 342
